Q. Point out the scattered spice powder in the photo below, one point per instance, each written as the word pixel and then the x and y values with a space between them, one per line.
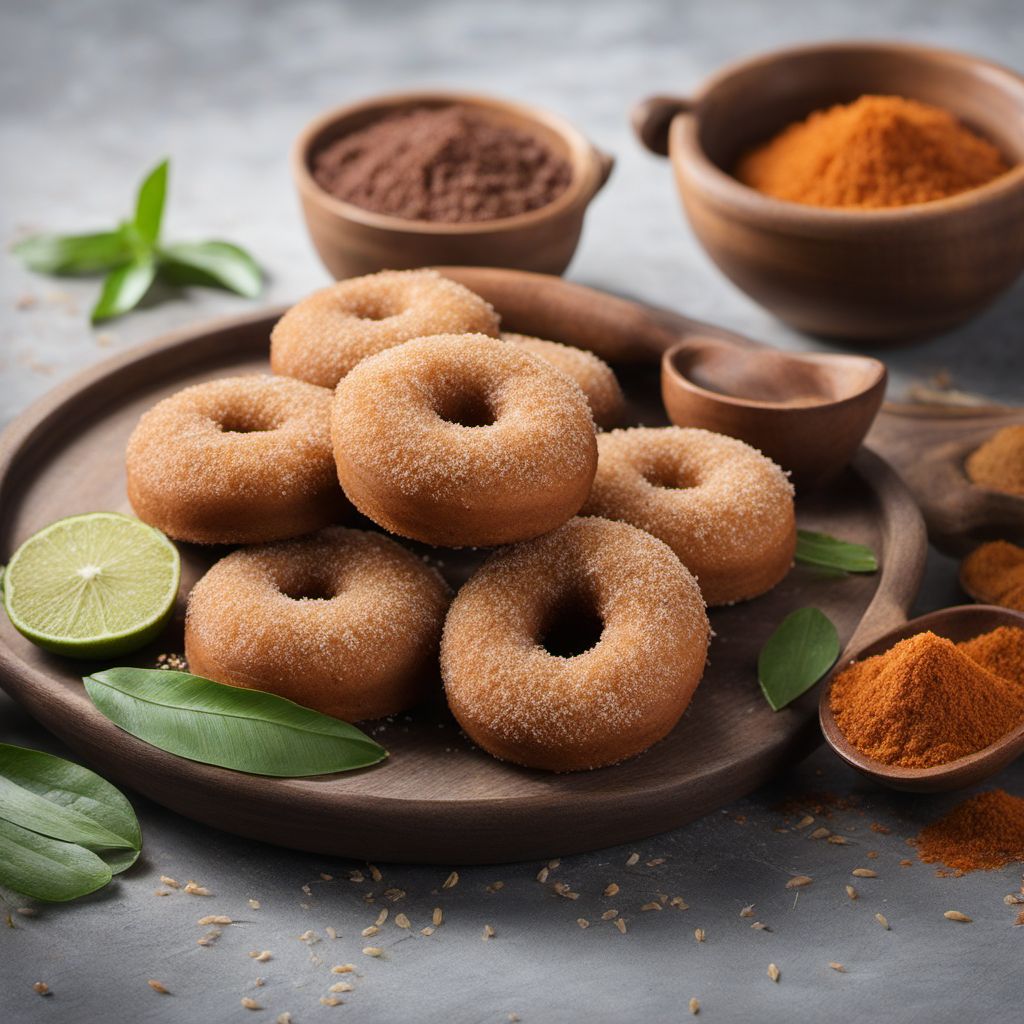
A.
pixel 984 832
pixel 924 702
pixel 451 164
pixel 999 463
pixel 995 573
pixel 879 151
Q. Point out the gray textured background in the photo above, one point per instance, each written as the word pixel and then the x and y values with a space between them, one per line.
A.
pixel 91 94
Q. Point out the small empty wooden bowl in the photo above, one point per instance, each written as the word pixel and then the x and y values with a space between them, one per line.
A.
pixel 808 412
pixel 960 623
pixel 353 241
pixel 873 275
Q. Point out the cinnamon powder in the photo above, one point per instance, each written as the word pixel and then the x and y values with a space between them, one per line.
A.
pixel 999 463
pixel 452 164
pixel 983 832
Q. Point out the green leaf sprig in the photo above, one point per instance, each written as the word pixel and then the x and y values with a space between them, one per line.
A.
pixel 826 552
pixel 64 831
pixel 246 730
pixel 800 651
pixel 132 256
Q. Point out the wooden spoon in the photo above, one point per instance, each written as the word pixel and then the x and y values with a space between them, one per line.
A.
pixel 809 412
pixel 960 623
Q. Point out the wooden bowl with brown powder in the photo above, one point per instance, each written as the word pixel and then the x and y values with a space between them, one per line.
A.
pixel 873 272
pixel 429 178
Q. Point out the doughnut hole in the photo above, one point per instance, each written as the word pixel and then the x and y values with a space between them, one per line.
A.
pixel 467 406
pixel 573 626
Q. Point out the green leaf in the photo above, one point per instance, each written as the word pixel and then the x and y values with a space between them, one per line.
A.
pixel 826 552
pixel 149 206
pixel 803 648
pixel 118 860
pixel 63 800
pixel 213 264
pixel 75 254
pixel 247 730
pixel 45 868
pixel 124 289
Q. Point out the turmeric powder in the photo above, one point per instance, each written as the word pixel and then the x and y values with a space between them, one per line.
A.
pixel 984 832
pixel 994 573
pixel 923 703
pixel 999 463
pixel 1001 651
pixel 879 151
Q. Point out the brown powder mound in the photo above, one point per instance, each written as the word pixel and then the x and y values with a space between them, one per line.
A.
pixel 923 703
pixel 983 832
pixel 995 573
pixel 879 151
pixel 1000 651
pixel 449 164
pixel 999 463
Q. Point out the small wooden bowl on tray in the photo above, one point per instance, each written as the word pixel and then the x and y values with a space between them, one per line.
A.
pixel 874 276
pixel 963 622
pixel 352 240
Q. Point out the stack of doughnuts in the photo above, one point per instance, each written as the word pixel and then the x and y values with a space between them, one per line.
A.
pixel 577 643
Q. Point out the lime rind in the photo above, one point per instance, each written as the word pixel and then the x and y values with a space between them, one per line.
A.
pixel 83 586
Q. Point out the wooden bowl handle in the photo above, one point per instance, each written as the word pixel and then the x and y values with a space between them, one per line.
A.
pixel 652 117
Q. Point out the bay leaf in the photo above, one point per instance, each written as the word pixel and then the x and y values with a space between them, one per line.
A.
pixel 800 651
pixel 228 726
pixel 47 869
pixel 827 552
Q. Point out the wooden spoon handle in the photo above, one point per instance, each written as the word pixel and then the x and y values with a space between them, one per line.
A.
pixel 652 117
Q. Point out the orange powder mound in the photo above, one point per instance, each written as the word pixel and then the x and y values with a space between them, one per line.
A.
pixel 999 463
pixel 982 833
pixel 1001 651
pixel 995 573
pixel 879 151
pixel 923 703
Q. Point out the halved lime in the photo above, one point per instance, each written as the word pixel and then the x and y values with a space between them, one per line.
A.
pixel 92 586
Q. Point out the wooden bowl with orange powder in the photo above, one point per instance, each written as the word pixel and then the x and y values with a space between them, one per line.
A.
pixel 818 236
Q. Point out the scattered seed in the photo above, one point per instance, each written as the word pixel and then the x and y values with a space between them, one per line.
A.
pixel 215 919
pixel 370 932
pixel 655 861
pixel 284 1018
pixel 1019 920
pixel 956 915
pixel 760 926
pixel 1010 899
pixel 621 925
pixel 871 855
pixel 437 917
pixel 799 881
pixel 255 904
pixel 309 892
pixel 553 864
pixel 805 821
pixel 195 889
pixel 209 938
pixel 611 889
pixel 609 914
pixel 837 967
pixel 402 921
pixel 653 905
pixel 375 872
pixel 428 931
pixel 326 877
pixel 451 881
pixel 161 892
pixel 694 1005
pixel 679 902
pixel 381 917
pixel 851 892
pixel 341 986
pixel 373 951
pixel 261 957
pixel 42 988
pixel 330 1001
pixel 747 911
pixel 496 887
pixel 906 863
pixel 356 876
pixel 838 841
pixel 249 1003
pixel 309 937
pixel 542 875
pixel 883 921
pixel 820 833
pixel 343 968
pixel 331 933
pixel 488 932
pixel 582 922
pixel 394 894
pixel 864 873
pixel 158 986
pixel 259 983
pixel 170 882
pixel 633 858
pixel 773 973
pixel 699 934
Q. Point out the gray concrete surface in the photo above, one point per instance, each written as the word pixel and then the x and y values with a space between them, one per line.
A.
pixel 91 94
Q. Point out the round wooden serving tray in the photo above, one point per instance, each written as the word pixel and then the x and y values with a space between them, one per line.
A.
pixel 437 799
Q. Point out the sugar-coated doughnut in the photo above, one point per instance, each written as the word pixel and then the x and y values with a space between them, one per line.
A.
pixel 607 590
pixel 346 622
pixel 241 460
pixel 724 508
pixel 594 376
pixel 463 440
pixel 326 334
